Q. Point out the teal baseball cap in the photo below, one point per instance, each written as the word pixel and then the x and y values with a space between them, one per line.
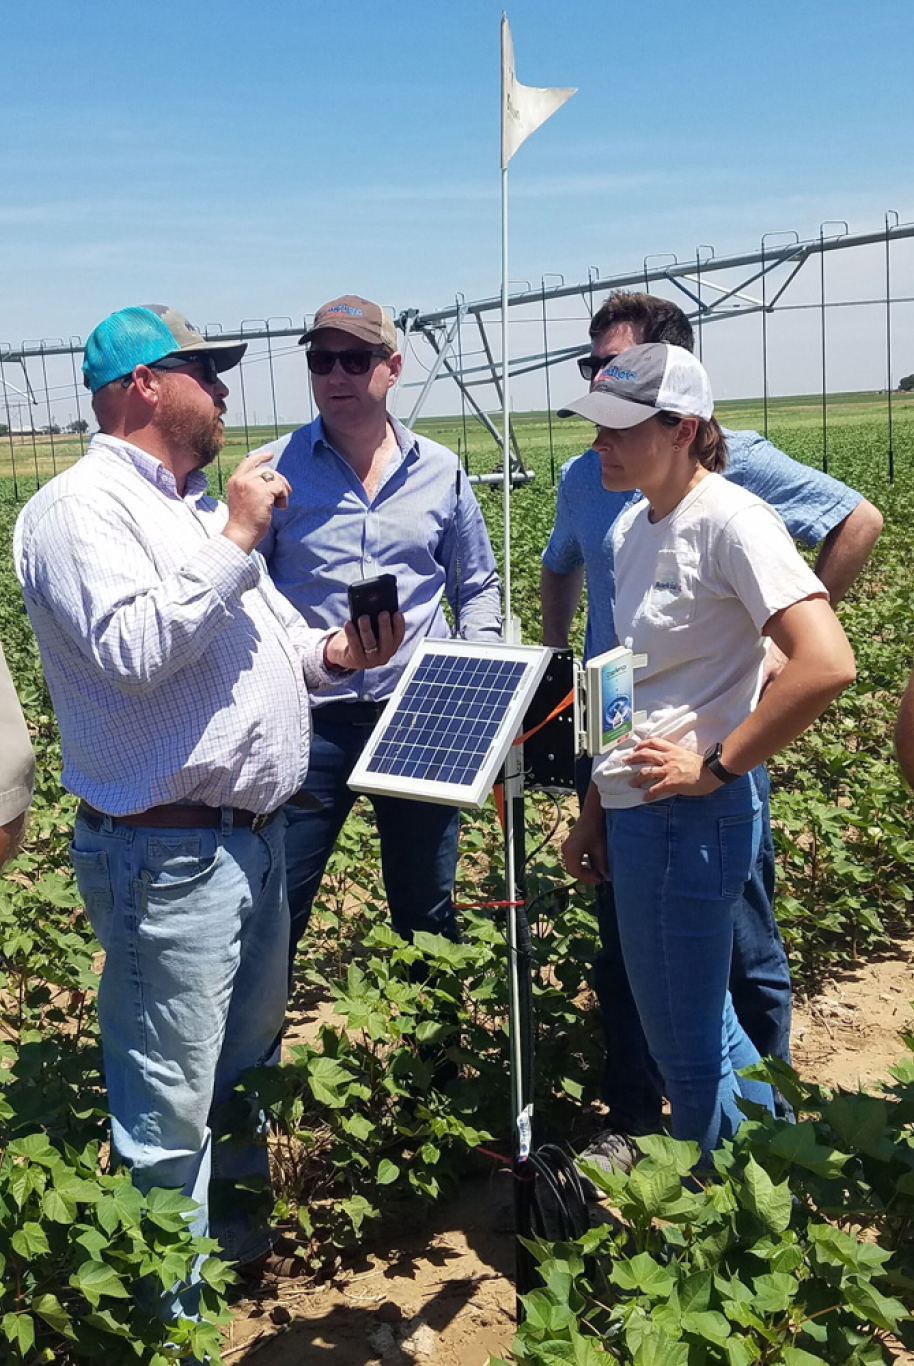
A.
pixel 144 334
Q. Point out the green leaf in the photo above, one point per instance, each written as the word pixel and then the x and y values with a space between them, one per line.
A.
pixel 706 1324
pixel 673 1153
pixel 387 1172
pixel 325 1077
pixel 644 1275
pixel 96 1279
pixel 60 1209
pixel 36 1148
pixel 359 1127
pixel 20 1331
pixel 795 1356
pixel 128 1202
pixel 30 1241
pixel 861 1121
pixel 798 1144
pixel 863 1297
pixel 49 1308
pixel 774 1292
pixel 770 1203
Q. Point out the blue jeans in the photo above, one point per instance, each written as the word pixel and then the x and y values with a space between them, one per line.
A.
pixel 418 839
pixel 759 986
pixel 678 869
pixel 195 928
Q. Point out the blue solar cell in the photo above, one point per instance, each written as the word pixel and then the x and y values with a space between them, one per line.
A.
pixel 447 718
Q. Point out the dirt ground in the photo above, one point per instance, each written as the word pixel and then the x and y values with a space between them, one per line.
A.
pixel 442 1294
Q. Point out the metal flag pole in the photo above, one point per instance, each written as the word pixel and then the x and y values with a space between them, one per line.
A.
pixel 523 109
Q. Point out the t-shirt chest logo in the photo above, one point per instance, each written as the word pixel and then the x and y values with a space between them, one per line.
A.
pixel 667 585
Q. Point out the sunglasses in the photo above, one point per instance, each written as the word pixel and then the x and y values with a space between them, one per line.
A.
pixel 206 362
pixel 590 366
pixel 354 362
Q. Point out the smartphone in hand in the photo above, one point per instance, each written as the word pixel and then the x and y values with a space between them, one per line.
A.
pixel 370 597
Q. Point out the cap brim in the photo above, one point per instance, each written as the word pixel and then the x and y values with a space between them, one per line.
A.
pixel 226 354
pixel 606 410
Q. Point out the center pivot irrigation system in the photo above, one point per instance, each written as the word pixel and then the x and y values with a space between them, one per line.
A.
pixel 40 383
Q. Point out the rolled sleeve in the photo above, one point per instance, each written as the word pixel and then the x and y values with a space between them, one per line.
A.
pixel 563 554
pixel 810 502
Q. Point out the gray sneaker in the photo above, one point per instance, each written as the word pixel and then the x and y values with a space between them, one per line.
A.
pixel 612 1150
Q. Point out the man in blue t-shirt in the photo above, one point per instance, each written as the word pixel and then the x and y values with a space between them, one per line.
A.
pixel 816 508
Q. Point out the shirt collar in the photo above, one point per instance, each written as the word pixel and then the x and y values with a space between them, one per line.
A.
pixel 151 468
pixel 407 441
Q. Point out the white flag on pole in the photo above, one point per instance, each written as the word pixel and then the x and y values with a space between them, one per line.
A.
pixel 523 107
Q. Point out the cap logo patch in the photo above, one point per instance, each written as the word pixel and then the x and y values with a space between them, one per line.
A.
pixel 347 309
pixel 615 372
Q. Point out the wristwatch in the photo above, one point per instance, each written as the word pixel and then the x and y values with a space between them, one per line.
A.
pixel 712 761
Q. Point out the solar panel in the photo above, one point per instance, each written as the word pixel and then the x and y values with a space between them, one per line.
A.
pixel 446 730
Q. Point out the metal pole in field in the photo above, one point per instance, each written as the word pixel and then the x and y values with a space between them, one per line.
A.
pixel 829 223
pixel 47 397
pixel 593 273
pixel 765 236
pixel 556 276
pixel 888 337
pixel 702 246
pixel 77 341
pixel 288 321
pixel 9 428
pixel 460 301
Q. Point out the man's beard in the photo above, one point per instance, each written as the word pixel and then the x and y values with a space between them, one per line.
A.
pixel 199 434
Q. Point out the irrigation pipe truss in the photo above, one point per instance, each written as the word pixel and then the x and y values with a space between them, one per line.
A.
pixel 704 299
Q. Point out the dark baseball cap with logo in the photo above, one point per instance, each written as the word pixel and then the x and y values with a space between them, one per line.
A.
pixel 144 334
pixel 369 322
pixel 643 381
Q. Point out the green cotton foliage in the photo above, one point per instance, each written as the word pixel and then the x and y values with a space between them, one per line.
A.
pixel 408 1078
pixel 775 1261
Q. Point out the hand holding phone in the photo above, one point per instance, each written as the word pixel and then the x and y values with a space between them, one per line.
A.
pixel 370 597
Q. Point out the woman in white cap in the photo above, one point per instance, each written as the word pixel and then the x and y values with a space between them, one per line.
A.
pixel 706 574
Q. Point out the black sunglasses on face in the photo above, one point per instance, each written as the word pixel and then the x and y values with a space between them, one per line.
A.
pixel 590 366
pixel 356 361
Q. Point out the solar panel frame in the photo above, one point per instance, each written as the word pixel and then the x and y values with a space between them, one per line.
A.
pixel 485 727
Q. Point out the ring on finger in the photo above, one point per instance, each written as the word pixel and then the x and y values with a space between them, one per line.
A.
pixel 267 476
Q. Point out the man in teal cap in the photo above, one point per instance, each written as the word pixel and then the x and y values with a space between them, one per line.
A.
pixel 180 677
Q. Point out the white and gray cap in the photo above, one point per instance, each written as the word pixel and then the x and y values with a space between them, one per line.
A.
pixel 642 381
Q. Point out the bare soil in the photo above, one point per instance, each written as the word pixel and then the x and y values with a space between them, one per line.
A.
pixel 442 1293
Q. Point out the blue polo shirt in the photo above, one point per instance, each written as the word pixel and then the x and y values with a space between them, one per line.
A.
pixel 810 502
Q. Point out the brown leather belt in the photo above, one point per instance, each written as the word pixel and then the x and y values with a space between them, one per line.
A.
pixel 182 816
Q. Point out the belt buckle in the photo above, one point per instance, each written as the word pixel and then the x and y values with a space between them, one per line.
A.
pixel 261 821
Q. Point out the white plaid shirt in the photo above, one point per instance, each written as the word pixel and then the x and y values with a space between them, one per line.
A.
pixel 176 669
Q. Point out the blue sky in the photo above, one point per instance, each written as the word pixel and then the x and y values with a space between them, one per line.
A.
pixel 245 161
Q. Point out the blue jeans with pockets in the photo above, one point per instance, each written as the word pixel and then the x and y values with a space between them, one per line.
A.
pixel 678 871
pixel 195 928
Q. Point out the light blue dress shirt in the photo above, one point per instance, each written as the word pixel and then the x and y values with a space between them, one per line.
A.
pixel 811 504
pixel 423 525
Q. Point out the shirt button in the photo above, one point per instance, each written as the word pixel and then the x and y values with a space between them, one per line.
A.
pixel 369 558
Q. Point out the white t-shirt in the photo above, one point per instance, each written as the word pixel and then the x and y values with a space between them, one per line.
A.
pixel 693 592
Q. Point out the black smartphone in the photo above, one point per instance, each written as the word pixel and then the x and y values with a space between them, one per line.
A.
pixel 370 597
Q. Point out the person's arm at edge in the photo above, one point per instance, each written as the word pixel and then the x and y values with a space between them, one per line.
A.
pixel 820 664
pixel 847 548
pixel 559 598
pixel 18 767
pixel 904 734
pixel 480 586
